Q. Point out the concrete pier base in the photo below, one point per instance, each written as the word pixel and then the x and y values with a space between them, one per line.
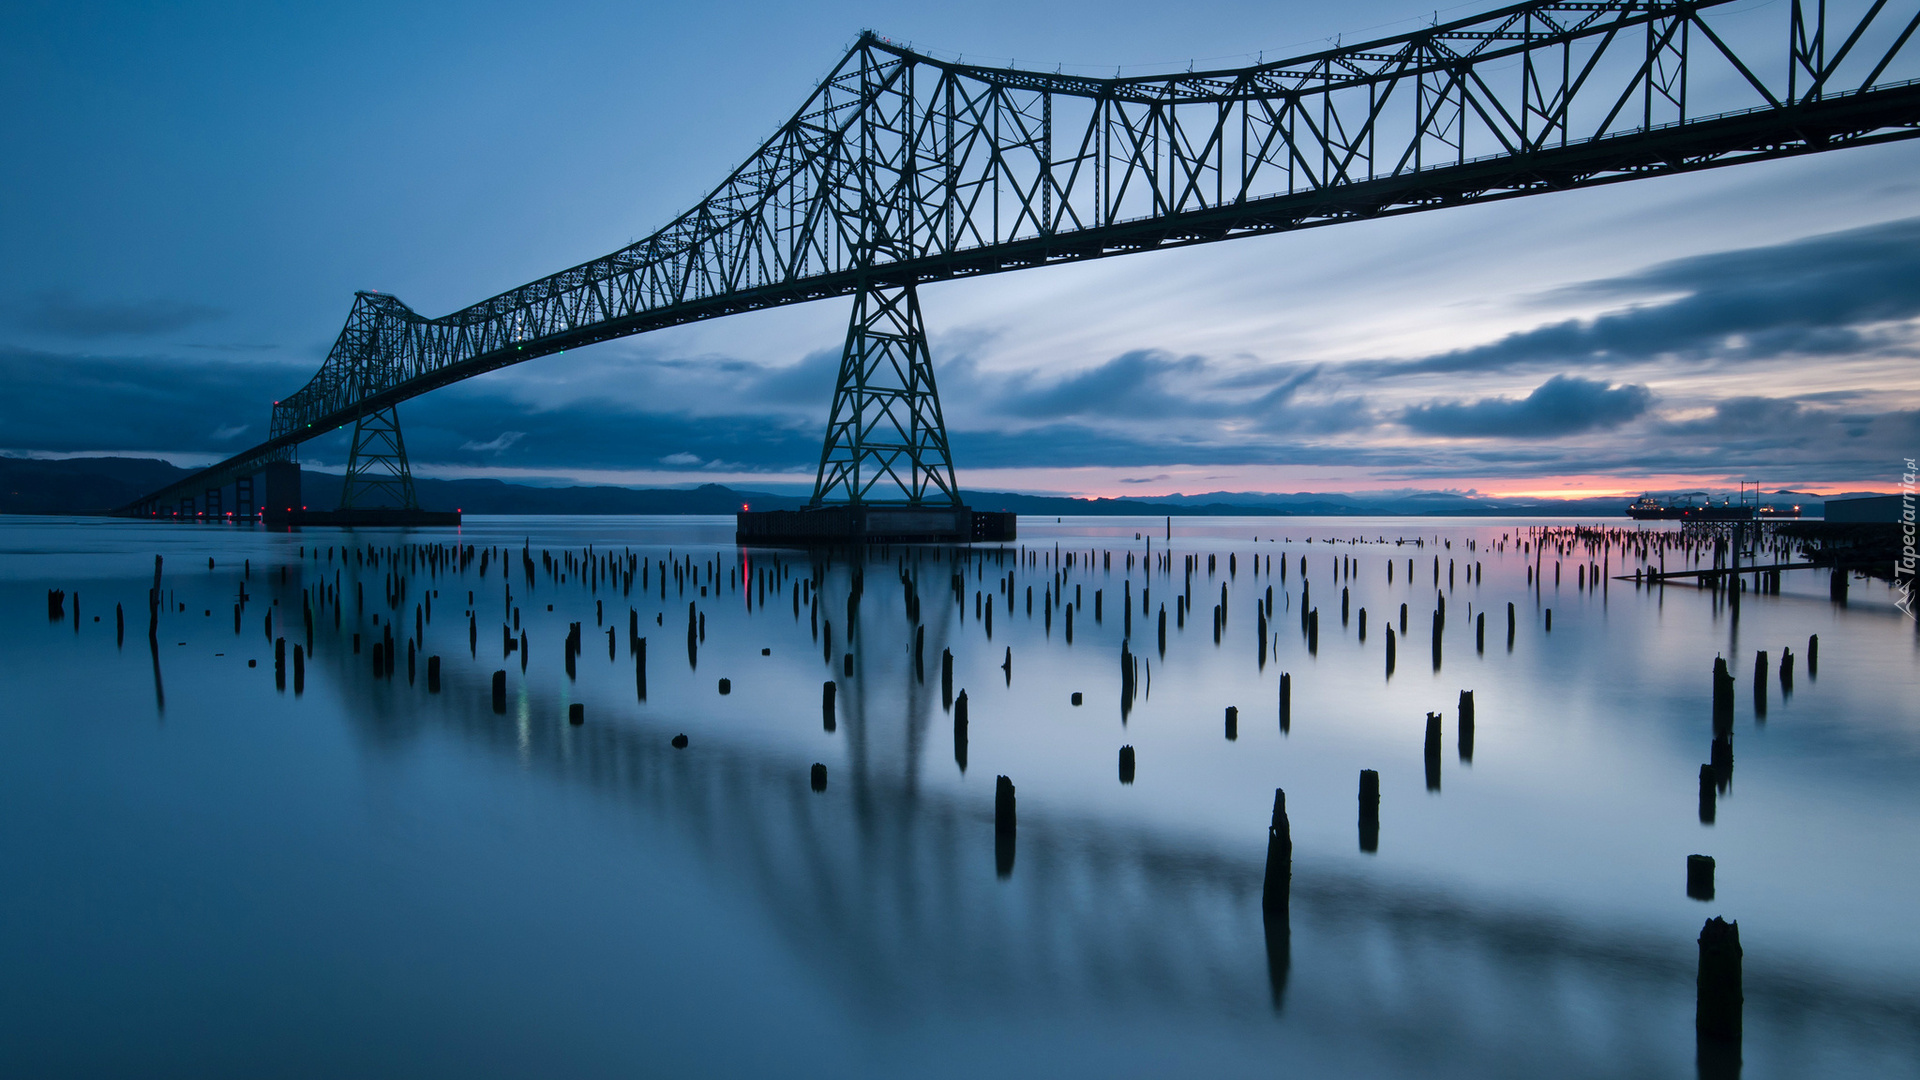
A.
pixel 863 524
pixel 373 516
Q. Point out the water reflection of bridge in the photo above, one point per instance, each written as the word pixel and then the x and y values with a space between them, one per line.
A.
pixel 889 893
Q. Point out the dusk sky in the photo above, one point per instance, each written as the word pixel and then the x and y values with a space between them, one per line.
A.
pixel 193 192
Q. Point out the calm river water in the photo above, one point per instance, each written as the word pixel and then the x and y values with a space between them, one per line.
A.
pixel 205 874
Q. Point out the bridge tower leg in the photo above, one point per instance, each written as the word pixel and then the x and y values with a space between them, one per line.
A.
pixel 886 430
pixel 377 473
pixel 243 498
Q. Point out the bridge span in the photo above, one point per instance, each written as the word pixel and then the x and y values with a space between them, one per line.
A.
pixel 902 168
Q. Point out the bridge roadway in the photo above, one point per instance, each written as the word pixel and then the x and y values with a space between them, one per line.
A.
pixel 904 168
pixel 886 888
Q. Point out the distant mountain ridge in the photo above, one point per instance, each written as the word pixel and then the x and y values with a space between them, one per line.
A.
pixel 96 485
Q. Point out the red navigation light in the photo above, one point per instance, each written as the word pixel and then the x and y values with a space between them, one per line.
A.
pixel 743 506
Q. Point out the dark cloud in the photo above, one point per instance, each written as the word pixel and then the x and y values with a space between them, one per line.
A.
pixel 68 403
pixel 465 425
pixel 1563 405
pixel 1826 295
pixel 1146 386
pixel 66 315
pixel 1140 383
pixel 1745 417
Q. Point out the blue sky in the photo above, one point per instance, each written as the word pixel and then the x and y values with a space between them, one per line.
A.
pixel 194 191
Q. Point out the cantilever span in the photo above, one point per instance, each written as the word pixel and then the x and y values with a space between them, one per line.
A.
pixel 902 168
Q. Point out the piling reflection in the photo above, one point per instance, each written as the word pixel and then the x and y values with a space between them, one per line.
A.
pixel 880 881
pixel 870 883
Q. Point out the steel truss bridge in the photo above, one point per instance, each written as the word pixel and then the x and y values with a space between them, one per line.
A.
pixel 902 168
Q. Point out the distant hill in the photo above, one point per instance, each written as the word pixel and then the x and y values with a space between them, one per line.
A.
pixel 497 497
pixel 96 485
pixel 78 485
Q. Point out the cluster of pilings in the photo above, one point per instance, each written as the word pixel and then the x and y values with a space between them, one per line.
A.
pixel 1010 579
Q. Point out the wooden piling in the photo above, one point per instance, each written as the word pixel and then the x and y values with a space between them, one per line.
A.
pixel 500 691
pixel 1005 813
pixel 1277 887
pixel 828 690
pixel 1126 764
pixel 433 674
pixel 1369 810
pixel 1233 723
pixel 1700 877
pixel 818 777
pixel 1722 696
pixel 1466 726
pixel 1432 751
pixel 1719 1001
pixel 1286 702
pixel 960 738
pixel 576 714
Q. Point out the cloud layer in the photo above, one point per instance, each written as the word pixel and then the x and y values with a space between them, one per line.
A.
pixel 64 315
pixel 1563 405
pixel 1827 295
pixel 1766 359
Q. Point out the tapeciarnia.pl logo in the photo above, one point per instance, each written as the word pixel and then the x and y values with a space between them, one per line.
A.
pixel 1903 570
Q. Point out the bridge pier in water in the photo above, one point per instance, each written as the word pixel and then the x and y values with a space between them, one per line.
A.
pixel 378 487
pixel 886 473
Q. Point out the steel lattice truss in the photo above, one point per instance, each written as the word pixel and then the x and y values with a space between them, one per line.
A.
pixel 886 430
pixel 377 473
pixel 911 168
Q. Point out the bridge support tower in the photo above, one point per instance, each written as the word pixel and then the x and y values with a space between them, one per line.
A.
pixel 378 488
pixel 377 473
pixel 886 472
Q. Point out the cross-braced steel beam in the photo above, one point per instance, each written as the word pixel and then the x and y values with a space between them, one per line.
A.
pixel 377 473
pixel 886 439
